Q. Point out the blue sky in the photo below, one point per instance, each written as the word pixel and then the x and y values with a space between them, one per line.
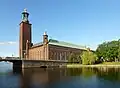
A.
pixel 83 22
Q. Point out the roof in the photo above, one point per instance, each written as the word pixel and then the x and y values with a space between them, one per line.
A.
pixel 62 43
pixel 66 44
pixel 37 44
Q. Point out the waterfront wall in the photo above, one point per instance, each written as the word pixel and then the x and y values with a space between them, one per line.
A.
pixel 47 64
pixel 17 66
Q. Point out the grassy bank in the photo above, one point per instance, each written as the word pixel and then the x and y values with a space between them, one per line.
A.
pixel 110 63
pixel 104 64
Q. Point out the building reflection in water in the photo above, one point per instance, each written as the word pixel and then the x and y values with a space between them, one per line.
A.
pixel 47 77
pixel 41 77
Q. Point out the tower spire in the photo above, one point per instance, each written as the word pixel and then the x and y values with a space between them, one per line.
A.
pixel 25 15
pixel 25 34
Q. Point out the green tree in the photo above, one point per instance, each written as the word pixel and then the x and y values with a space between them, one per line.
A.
pixel 88 58
pixel 108 51
pixel 119 50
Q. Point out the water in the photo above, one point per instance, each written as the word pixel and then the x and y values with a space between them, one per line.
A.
pixel 59 78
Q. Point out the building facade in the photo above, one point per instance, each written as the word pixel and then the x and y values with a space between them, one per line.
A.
pixel 48 49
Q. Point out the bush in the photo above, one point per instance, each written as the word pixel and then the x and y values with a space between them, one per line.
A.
pixel 88 58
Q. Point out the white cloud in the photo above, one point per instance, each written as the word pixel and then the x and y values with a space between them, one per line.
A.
pixel 10 42
pixel 8 48
pixel 1 43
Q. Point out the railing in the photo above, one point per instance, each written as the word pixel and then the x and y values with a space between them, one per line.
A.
pixel 10 58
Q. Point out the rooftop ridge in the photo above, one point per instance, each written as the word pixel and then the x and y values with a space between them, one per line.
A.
pixel 72 44
pixel 67 44
pixel 62 43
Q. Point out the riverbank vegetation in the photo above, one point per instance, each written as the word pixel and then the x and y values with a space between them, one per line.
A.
pixel 107 53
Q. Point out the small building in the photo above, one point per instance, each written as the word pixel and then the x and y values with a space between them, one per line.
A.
pixel 48 49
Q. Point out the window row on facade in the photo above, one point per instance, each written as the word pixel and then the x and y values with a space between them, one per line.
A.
pixel 36 55
pixel 58 55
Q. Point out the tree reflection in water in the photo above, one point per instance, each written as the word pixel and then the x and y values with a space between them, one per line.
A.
pixel 101 72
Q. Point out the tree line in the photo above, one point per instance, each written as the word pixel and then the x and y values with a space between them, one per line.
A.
pixel 105 52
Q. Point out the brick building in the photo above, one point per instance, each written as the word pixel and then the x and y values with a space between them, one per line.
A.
pixel 48 49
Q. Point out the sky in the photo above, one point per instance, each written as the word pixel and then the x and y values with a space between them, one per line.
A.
pixel 83 22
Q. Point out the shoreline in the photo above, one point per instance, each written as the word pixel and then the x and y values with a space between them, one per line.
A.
pixel 79 66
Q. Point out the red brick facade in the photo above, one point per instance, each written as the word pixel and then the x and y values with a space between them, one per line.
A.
pixel 43 51
pixel 25 34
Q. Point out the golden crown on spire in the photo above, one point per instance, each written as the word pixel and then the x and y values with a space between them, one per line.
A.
pixel 45 33
pixel 25 10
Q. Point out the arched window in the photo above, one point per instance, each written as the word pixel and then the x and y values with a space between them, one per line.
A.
pixel 65 56
pixel 37 52
pixel 40 55
pixel 35 55
pixel 60 56
pixel 51 55
pixel 55 58
pixel 32 55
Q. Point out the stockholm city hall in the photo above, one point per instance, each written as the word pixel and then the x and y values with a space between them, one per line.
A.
pixel 47 49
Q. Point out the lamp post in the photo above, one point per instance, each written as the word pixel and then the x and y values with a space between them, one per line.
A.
pixel 24 54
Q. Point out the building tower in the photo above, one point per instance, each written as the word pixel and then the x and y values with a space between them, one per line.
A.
pixel 45 44
pixel 45 38
pixel 25 34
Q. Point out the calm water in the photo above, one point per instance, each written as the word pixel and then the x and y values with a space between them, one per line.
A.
pixel 59 78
